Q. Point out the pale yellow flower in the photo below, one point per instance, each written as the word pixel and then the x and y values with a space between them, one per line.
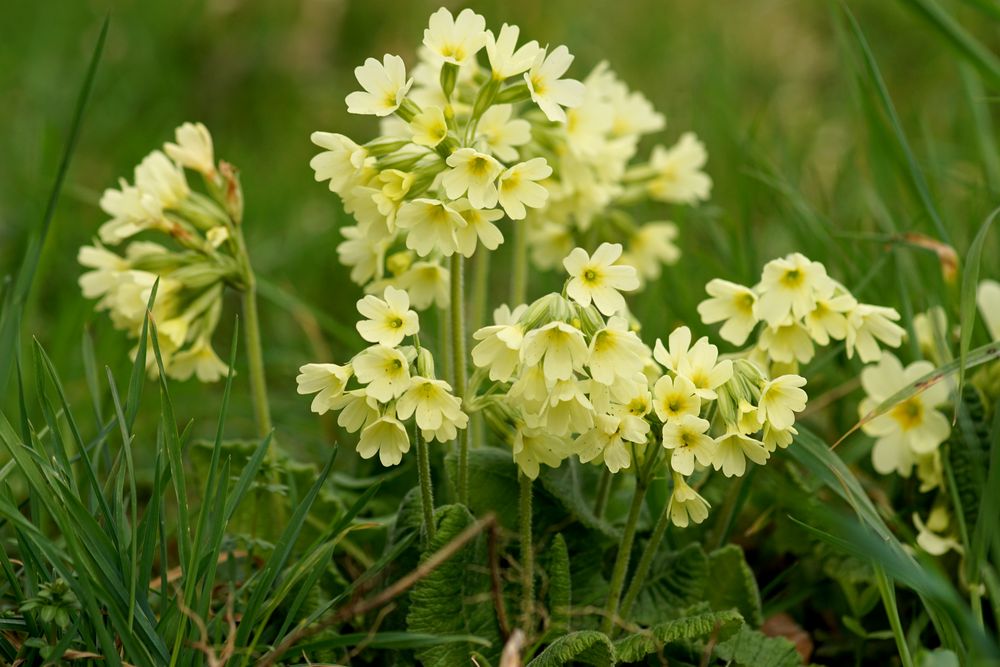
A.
pixel 675 398
pixel 389 320
pixel 548 90
pixel 730 303
pixel 517 187
pixel 599 279
pixel 327 381
pixel 429 127
pixel 455 40
pixel 384 370
pixel 193 149
pixel 387 437
pixel 687 439
pixel 431 226
pixel 679 178
pixel 686 505
pixel 385 87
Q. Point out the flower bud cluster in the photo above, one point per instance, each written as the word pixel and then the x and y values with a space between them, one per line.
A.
pixel 800 307
pixel 568 376
pixel 387 384
pixel 198 256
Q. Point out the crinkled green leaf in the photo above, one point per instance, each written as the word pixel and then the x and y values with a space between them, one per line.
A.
pixel 572 486
pixel 493 476
pixel 699 626
pixel 733 584
pixel 454 599
pixel 676 581
pixel 752 648
pixel 560 586
pixel 586 647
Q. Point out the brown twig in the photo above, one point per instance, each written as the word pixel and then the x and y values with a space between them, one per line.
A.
pixel 399 587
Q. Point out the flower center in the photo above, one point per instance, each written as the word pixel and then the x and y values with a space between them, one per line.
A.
pixel 395 323
pixel 590 276
pixel 792 279
pixel 909 414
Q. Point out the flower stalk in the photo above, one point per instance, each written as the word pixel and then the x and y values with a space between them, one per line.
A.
pixel 527 554
pixel 646 560
pixel 426 488
pixel 459 367
pixel 255 352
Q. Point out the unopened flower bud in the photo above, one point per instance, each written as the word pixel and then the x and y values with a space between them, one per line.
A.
pixel 233 192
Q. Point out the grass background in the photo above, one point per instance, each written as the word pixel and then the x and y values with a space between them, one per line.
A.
pixel 801 155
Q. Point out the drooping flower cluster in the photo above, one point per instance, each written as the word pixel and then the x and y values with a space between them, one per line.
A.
pixel 201 253
pixel 568 376
pixel 800 306
pixel 394 383
pixel 487 127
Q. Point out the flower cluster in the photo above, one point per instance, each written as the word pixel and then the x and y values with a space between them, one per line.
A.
pixel 395 383
pixel 800 307
pixel 909 436
pixel 569 377
pixel 487 126
pixel 203 252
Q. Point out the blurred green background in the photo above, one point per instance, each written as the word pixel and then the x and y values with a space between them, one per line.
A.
pixel 800 154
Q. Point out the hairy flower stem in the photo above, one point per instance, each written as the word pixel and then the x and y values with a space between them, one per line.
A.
pixel 624 555
pixel 480 289
pixel 646 560
pixel 426 489
pixel 519 273
pixel 642 478
pixel 458 351
pixel 255 354
pixel 527 555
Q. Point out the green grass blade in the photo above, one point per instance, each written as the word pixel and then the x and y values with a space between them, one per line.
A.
pixel 916 176
pixel 10 318
pixel 952 31
pixel 970 281
pixel 282 550
pixel 133 519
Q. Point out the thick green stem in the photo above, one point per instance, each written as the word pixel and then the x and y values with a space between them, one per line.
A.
pixel 646 560
pixel 519 273
pixel 527 555
pixel 624 555
pixel 426 489
pixel 480 289
pixel 458 352
pixel 603 493
pixel 255 353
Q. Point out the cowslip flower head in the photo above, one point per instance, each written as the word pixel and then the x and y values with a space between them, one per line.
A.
pixel 472 172
pixel 911 429
pixel 455 40
pixel 432 402
pixel 193 149
pixel 651 247
pixel 615 352
pixel 517 187
pixel 867 325
pixel 688 441
pixel 385 87
pixel 327 381
pixel 389 320
pixel 479 228
pixel 699 363
pixel 732 451
pixel 384 370
pixel 200 360
pixel 560 348
pixel 679 178
pixel 686 505
pixel 675 398
pixel 500 134
pixel 597 278
pixel 431 226
pixel 506 60
pixel 159 176
pixel 548 90
pixel 499 348
pixel 733 304
pixel 789 286
pixel 429 127
pixel 386 437
pixel 343 163
pixel 780 399
pixel 533 447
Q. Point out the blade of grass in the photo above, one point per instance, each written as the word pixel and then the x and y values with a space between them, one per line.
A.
pixel 952 31
pixel 970 281
pixel 916 176
pixel 10 318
